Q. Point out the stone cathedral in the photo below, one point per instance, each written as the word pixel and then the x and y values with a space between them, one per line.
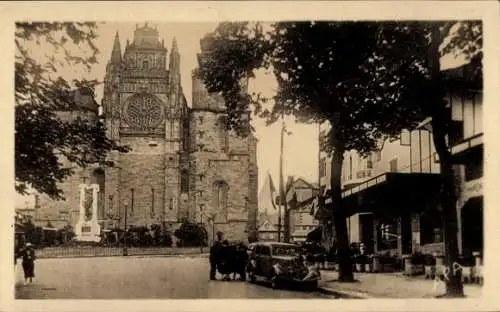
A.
pixel 183 163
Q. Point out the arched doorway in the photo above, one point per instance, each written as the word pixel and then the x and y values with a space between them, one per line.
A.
pixel 98 177
pixel 472 226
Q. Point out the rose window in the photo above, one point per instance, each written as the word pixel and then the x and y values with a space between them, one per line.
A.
pixel 144 111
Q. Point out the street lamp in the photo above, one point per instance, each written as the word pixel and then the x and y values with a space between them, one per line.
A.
pixel 125 251
pixel 201 225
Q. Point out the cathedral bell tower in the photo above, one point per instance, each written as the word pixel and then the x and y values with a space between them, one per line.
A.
pixel 144 107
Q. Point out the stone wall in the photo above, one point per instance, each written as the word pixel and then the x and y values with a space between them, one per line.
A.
pixel 172 187
pixel 233 231
pixel 142 169
pixel 204 132
pixel 66 210
pixel 220 156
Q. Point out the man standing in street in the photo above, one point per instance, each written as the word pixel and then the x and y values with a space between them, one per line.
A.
pixel 214 255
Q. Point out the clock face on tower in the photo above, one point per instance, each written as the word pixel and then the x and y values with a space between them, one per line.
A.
pixel 143 111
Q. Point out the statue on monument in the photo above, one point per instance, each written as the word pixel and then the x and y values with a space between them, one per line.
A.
pixel 87 228
pixel 88 204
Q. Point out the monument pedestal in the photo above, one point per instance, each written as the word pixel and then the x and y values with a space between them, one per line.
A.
pixel 87 229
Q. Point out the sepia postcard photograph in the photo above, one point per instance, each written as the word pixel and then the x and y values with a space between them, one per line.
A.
pixel 332 152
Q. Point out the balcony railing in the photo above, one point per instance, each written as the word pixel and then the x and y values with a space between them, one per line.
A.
pixel 365 173
pixel 359 176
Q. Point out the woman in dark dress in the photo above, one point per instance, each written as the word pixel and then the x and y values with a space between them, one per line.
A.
pixel 224 261
pixel 28 255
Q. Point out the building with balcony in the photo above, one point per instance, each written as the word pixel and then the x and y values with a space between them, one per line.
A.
pixel 465 96
pixel 268 228
pixel 302 221
pixel 391 196
pixel 300 199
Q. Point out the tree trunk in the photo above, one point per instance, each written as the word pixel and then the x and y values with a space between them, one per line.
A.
pixel 448 197
pixel 339 218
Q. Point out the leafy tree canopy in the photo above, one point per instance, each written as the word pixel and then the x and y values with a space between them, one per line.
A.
pixel 42 138
pixel 322 74
pixel 376 84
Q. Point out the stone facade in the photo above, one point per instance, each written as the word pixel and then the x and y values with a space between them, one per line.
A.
pixel 183 163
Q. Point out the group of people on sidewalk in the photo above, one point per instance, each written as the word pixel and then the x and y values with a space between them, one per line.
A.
pixel 28 256
pixel 228 259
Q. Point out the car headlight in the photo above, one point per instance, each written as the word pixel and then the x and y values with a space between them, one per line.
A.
pixel 313 269
pixel 278 268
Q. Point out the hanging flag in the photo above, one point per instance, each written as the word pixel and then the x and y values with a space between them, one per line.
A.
pixel 314 206
pixel 273 191
pixel 292 193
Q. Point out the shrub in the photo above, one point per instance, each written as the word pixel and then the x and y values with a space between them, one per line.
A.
pixel 466 261
pixel 429 260
pixel 418 258
pixel 387 258
pixel 361 259
pixel 191 234
pixel 331 256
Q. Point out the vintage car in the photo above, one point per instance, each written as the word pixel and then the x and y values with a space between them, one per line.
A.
pixel 281 264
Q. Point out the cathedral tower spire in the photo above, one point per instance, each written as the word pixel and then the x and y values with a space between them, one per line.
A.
pixel 174 45
pixel 175 59
pixel 175 67
pixel 116 54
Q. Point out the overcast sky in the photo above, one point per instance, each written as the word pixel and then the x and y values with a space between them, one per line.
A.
pixel 301 148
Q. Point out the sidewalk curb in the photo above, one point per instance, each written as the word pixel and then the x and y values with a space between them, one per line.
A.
pixel 133 256
pixel 169 256
pixel 343 294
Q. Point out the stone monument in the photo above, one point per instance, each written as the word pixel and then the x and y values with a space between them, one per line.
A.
pixel 87 228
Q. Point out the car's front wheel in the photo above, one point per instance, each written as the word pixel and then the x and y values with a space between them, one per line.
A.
pixel 312 285
pixel 251 276
pixel 275 282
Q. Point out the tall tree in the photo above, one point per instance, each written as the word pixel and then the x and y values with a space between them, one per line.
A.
pixel 425 44
pixel 42 139
pixel 323 75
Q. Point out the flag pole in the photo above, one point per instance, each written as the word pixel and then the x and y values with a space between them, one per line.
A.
pixel 318 195
pixel 282 199
pixel 319 156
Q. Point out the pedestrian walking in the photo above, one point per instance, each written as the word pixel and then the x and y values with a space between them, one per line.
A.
pixel 16 253
pixel 215 255
pixel 28 256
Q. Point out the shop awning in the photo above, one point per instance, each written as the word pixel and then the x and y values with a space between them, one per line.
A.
pixel 469 148
pixel 392 192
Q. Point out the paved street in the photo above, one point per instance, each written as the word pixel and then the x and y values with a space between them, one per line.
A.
pixel 138 278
